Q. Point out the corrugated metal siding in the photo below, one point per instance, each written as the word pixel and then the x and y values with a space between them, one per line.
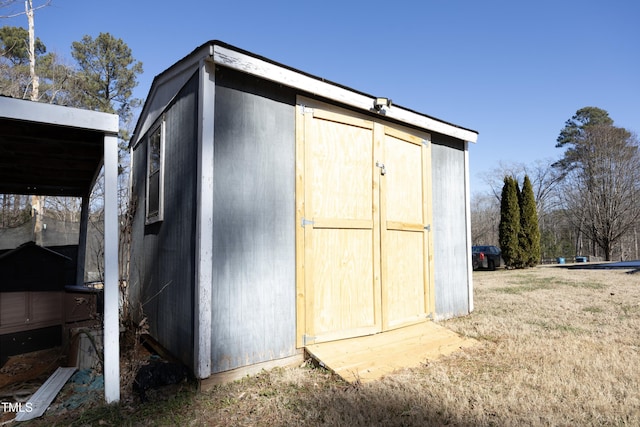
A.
pixel 253 295
pixel 449 227
pixel 163 262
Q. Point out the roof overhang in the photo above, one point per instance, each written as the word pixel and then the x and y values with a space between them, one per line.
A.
pixel 49 149
pixel 166 85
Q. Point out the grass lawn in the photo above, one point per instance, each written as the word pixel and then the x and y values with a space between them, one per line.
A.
pixel 557 347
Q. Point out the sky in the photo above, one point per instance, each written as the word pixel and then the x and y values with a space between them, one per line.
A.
pixel 514 71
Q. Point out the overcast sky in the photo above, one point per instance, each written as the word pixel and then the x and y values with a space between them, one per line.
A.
pixel 514 71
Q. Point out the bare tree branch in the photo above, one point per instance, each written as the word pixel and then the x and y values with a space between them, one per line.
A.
pixel 8 3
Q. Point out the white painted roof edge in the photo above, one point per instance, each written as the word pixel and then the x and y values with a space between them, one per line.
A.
pixel 167 84
pixel 39 112
pixel 234 59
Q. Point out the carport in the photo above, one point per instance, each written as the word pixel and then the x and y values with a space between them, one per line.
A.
pixel 53 150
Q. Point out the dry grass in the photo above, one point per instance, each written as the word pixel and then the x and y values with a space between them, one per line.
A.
pixel 558 347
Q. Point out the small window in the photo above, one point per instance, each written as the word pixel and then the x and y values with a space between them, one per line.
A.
pixel 155 173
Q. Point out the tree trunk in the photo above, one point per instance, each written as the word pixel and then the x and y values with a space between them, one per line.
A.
pixel 36 209
pixel 607 247
pixel 35 83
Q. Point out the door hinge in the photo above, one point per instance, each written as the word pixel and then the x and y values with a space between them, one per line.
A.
pixel 425 142
pixel 306 222
pixel 307 339
pixel 383 169
pixel 304 109
pixel 427 227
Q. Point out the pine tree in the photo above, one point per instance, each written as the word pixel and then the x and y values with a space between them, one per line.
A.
pixel 106 75
pixel 509 222
pixel 601 169
pixel 529 231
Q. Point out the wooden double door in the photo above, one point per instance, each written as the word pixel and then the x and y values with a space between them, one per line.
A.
pixel 363 238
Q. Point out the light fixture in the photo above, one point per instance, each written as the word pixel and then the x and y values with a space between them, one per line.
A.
pixel 381 103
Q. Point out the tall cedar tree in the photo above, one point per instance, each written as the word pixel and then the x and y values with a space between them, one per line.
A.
pixel 529 231
pixel 520 259
pixel 509 223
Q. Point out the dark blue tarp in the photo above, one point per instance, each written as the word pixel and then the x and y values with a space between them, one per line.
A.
pixel 626 265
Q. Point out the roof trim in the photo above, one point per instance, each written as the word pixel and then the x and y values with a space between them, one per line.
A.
pixel 257 66
pixel 38 112
pixel 221 53
pixel 32 245
pixel 164 89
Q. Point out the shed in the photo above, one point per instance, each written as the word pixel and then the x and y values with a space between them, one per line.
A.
pixel 59 151
pixel 276 210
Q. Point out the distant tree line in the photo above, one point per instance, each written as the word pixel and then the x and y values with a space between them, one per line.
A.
pixel 588 201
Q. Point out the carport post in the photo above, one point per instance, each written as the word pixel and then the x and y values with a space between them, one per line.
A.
pixel 467 210
pixel 111 289
pixel 82 241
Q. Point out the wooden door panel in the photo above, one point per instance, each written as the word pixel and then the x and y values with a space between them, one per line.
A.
pixel 403 167
pixel 341 270
pixel 403 234
pixel 46 307
pixel 405 278
pixel 338 170
pixel 341 292
pixel 14 309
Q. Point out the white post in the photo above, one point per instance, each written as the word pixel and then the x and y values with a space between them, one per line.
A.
pixel 467 203
pixel 111 289
pixel 204 223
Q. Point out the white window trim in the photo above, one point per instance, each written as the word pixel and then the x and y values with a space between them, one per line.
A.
pixel 160 216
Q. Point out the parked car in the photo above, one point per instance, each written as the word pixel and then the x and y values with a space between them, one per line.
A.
pixel 486 257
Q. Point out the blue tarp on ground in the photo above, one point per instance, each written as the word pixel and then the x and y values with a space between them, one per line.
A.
pixel 87 387
pixel 627 265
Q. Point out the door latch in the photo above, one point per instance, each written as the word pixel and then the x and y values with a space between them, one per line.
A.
pixel 383 169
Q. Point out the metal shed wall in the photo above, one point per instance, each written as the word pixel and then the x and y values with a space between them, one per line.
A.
pixel 244 201
pixel 253 292
pixel 449 223
pixel 163 261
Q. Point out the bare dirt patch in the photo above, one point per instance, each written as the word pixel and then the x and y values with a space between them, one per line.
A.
pixel 558 347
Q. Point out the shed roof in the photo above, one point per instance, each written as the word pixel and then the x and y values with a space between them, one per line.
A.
pixel 31 247
pixel 50 149
pixel 167 84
